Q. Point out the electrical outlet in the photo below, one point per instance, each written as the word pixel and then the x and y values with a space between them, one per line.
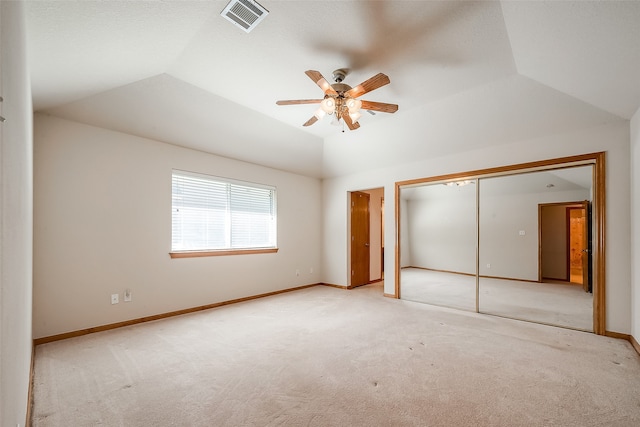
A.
pixel 488 265
pixel 311 270
pixel 114 299
pixel 127 295
pixel 522 232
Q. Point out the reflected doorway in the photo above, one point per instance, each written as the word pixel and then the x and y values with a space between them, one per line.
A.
pixel 565 253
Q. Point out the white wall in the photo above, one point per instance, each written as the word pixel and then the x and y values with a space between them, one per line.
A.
pixel 102 224
pixel 635 225
pixel 16 220
pixel 612 138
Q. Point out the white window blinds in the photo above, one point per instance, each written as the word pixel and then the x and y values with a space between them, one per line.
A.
pixel 211 213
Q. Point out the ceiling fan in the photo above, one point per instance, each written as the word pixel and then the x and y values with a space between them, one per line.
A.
pixel 342 100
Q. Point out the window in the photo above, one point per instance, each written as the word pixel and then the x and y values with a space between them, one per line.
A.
pixel 215 216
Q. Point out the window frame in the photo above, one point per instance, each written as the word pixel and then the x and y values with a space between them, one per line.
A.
pixel 206 252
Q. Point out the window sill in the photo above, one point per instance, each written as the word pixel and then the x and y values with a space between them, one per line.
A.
pixel 196 254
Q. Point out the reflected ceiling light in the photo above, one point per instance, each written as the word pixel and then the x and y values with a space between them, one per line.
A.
pixel 459 183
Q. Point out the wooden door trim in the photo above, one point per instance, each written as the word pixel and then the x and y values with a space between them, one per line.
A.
pixel 598 214
pixel 382 216
pixel 588 228
pixel 599 245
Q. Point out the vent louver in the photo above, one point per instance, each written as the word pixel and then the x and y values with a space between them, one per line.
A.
pixel 245 14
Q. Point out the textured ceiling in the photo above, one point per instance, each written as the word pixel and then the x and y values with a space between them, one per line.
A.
pixel 465 74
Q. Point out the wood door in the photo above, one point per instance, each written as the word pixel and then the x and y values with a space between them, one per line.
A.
pixel 553 244
pixel 576 228
pixel 579 245
pixel 360 254
pixel 587 258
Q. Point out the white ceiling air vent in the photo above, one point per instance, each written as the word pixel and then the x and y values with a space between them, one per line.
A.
pixel 245 14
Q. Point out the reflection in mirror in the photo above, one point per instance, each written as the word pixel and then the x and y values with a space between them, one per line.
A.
pixel 534 254
pixel 438 238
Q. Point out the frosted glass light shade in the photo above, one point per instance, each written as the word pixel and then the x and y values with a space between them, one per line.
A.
pixel 354 105
pixel 319 113
pixel 328 105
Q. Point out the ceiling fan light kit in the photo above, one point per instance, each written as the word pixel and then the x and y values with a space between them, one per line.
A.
pixel 340 99
pixel 328 105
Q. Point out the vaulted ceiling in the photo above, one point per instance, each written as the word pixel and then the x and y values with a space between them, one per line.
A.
pixel 465 74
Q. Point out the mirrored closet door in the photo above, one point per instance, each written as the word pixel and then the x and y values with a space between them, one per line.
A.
pixel 534 238
pixel 517 243
pixel 439 244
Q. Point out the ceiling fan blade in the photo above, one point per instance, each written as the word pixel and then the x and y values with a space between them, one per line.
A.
pixel 373 83
pixel 311 121
pixel 299 101
pixel 379 106
pixel 321 82
pixel 349 122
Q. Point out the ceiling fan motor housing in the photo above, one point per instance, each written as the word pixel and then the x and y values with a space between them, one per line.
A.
pixel 340 87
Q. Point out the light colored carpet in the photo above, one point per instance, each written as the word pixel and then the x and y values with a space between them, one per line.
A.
pixel 552 303
pixel 329 357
